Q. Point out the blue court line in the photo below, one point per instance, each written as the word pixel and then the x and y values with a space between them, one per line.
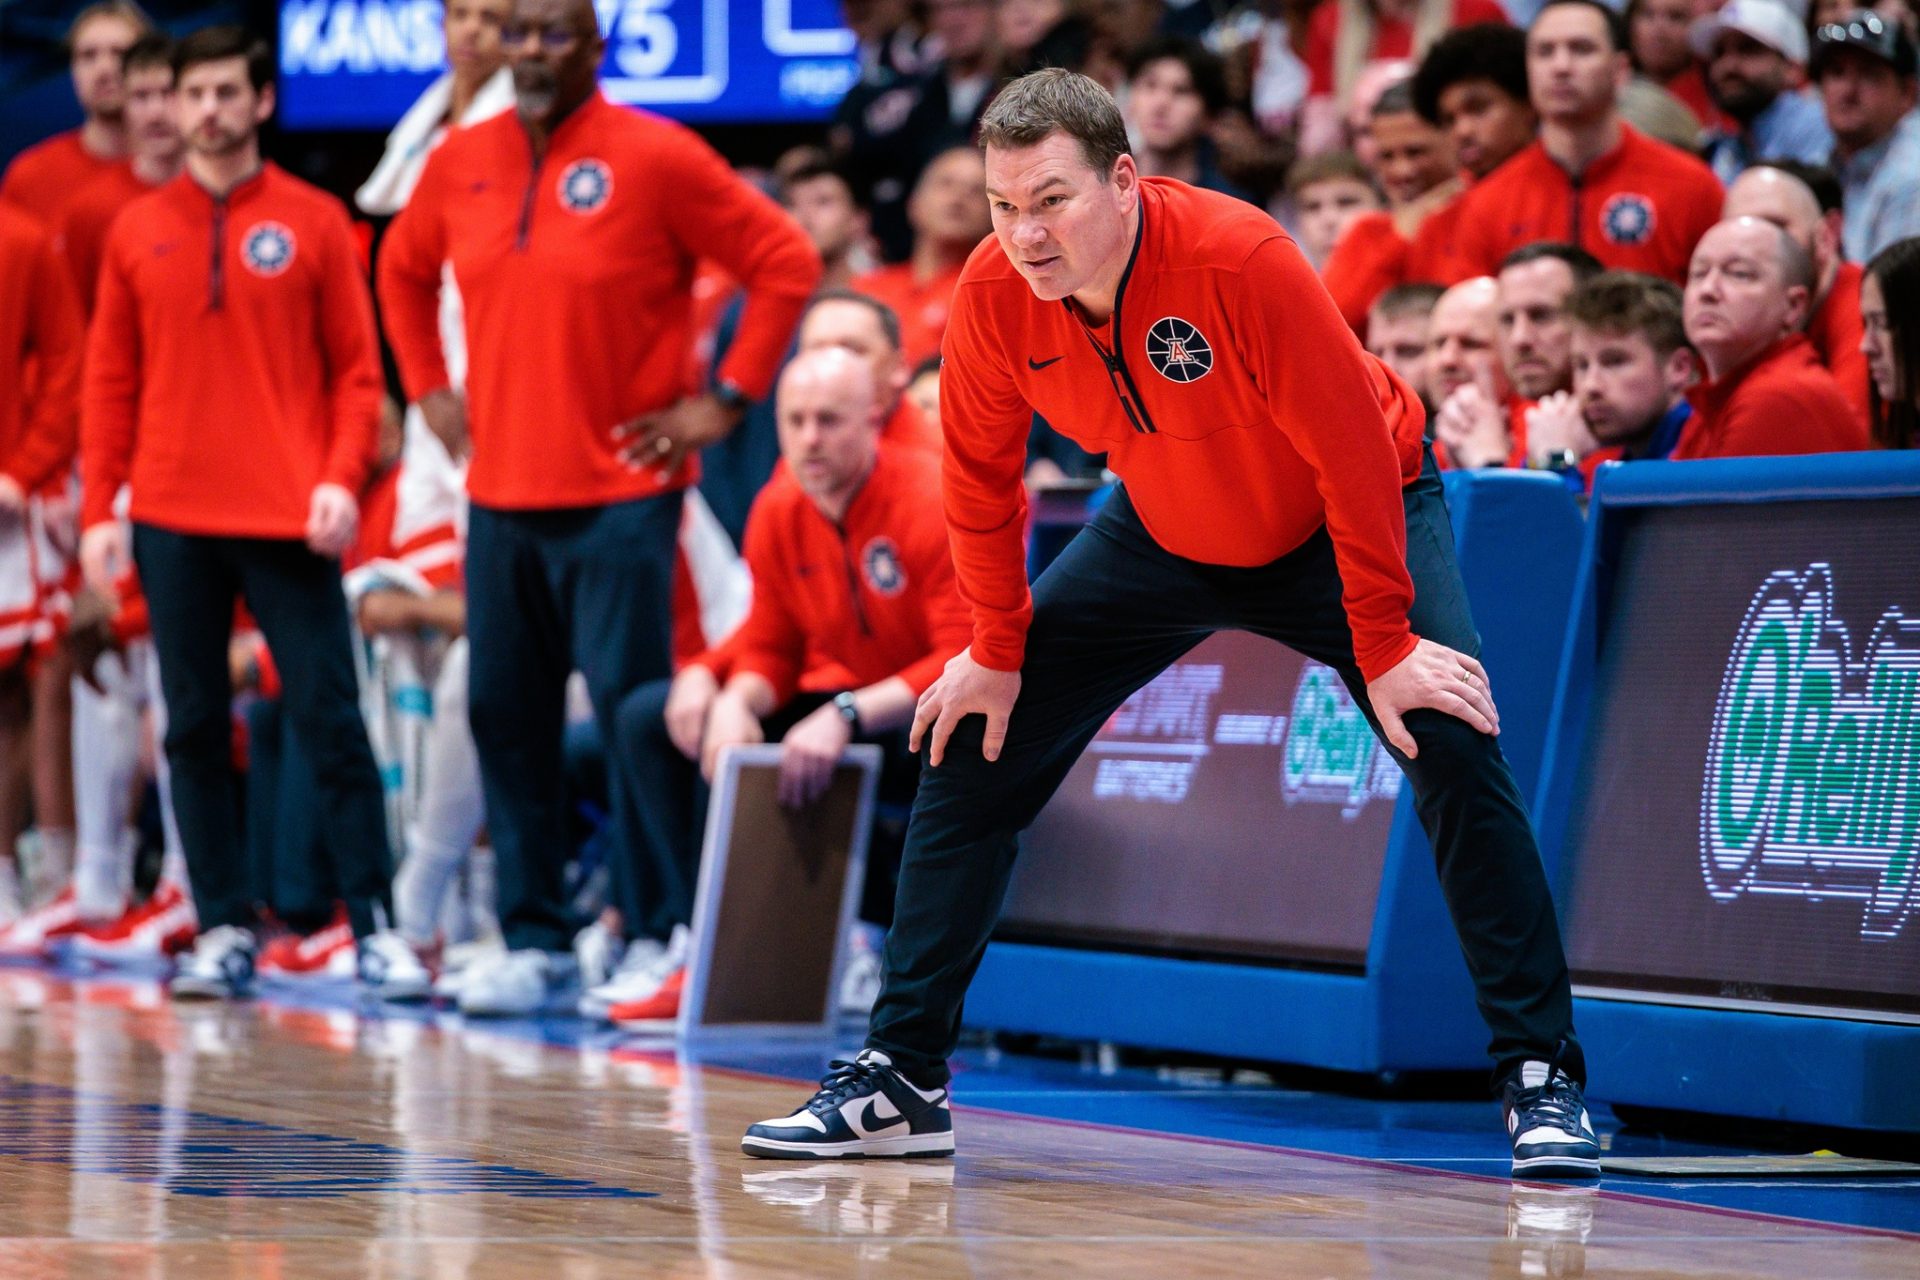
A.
pixel 200 1153
pixel 1324 1127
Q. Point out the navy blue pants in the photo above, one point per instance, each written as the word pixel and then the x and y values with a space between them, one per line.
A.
pixel 1111 613
pixel 292 867
pixel 191 582
pixel 548 593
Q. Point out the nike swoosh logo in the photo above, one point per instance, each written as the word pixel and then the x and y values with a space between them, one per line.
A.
pixel 872 1124
pixel 1038 365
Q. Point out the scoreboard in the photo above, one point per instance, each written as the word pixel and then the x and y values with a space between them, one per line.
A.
pixel 359 64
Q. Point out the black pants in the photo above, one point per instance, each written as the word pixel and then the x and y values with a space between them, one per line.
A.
pixel 667 812
pixel 548 593
pixel 1110 614
pixel 292 867
pixel 191 582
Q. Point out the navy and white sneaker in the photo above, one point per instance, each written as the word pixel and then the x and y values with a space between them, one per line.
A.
pixel 864 1110
pixel 220 966
pixel 1547 1119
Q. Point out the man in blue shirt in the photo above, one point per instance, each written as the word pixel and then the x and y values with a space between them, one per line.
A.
pixel 1865 68
pixel 1631 370
pixel 1754 52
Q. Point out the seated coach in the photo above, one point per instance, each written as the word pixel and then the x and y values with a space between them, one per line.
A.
pixel 848 549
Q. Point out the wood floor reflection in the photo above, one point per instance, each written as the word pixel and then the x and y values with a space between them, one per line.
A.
pixel 141 1140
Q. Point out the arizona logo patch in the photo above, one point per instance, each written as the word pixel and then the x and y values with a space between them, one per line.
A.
pixel 586 186
pixel 1627 219
pixel 1178 350
pixel 880 562
pixel 267 248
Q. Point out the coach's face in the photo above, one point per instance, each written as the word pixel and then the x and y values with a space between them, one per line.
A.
pixel 1063 224
pixel 554 47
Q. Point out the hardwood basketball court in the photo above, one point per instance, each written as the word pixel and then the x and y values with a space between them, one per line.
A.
pixel 294 1137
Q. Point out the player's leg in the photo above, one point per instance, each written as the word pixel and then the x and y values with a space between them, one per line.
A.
pixel 619 574
pixel 190 586
pixel 451 811
pixel 1110 614
pixel 297 598
pixel 106 756
pixel 1469 804
pixel 519 654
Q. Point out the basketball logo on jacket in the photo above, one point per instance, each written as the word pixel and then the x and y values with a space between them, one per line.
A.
pixel 267 249
pixel 1627 219
pixel 880 561
pixel 1179 350
pixel 586 186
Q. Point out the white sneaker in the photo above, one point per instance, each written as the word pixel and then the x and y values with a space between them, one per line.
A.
pixel 646 965
pixel 457 961
pixel 389 970
pixel 515 984
pixel 597 950
pixel 220 966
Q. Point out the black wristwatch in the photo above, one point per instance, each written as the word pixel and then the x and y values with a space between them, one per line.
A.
pixel 733 398
pixel 843 703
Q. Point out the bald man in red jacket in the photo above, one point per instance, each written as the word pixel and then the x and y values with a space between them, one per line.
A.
pixel 1274 480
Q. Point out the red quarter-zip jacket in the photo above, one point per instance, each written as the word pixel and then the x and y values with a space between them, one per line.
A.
pixel 40 344
pixel 1640 207
pixel 1782 402
pixel 874 595
pixel 232 364
pixel 577 275
pixel 42 178
pixel 1226 392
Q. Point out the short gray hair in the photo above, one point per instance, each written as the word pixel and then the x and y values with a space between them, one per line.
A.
pixel 1037 106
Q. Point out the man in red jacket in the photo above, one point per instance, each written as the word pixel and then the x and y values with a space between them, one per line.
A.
pixel 1276 481
pixel 40 341
pixel 573 226
pixel 1590 180
pixel 43 177
pixel 1833 325
pixel 237 392
pixel 1766 391
pixel 850 568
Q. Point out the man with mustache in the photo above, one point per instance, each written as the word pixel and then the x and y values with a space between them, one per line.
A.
pixel 573 225
pixel 1755 53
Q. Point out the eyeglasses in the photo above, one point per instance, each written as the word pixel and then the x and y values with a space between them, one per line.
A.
pixel 554 39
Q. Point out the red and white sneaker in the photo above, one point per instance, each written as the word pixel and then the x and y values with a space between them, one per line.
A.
pixel 33 933
pixel 159 927
pixel 657 1011
pixel 293 956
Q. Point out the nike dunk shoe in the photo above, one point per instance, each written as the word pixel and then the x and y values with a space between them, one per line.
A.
pixel 864 1109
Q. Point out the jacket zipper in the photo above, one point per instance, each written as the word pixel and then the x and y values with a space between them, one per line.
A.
pixel 853 580
pixel 1575 238
pixel 526 201
pixel 1122 381
pixel 217 274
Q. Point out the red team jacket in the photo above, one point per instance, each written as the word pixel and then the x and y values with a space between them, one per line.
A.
pixel 42 178
pixel 1784 402
pixel 874 594
pixel 1225 392
pixel 1835 330
pixel 1641 207
pixel 84 220
pixel 576 274
pixel 232 363
pixel 41 332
